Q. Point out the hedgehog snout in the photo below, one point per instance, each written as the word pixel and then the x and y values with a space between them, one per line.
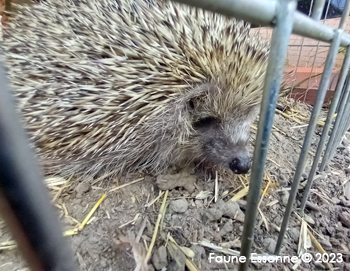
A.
pixel 240 165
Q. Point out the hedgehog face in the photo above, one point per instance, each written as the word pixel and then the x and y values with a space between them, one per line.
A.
pixel 222 138
pixel 225 143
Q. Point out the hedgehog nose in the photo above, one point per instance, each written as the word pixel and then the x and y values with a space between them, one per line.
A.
pixel 240 165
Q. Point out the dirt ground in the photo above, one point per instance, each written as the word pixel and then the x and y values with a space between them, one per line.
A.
pixel 124 223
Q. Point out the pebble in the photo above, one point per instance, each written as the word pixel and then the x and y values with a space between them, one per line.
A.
pixel 285 197
pixel 294 233
pixel 325 243
pixel 311 206
pixel 240 216
pixel 309 219
pixel 242 204
pixel 213 214
pixel 179 205
pixel 199 254
pixel 217 237
pixel 230 209
pixel 345 219
pixel 171 181
pixel 178 263
pixel 82 188
pixel 103 262
pixel 159 258
pixel 269 244
pixel 334 242
pixel 228 227
pixel 347 190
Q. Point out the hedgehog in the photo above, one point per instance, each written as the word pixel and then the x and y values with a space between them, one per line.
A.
pixel 134 85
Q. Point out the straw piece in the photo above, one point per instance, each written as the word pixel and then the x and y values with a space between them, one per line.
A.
pixel 161 211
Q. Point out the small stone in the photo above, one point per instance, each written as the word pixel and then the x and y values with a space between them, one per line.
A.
pixel 240 216
pixel 347 190
pixel 178 262
pixel 294 234
pixel 345 202
pixel 319 266
pixel 334 242
pixel 242 204
pixel 309 220
pixel 335 200
pixel 285 197
pixel 231 208
pixel 228 227
pixel 159 258
pixel 82 188
pixel 199 254
pixel 217 237
pixel 171 181
pixel 179 205
pixel 325 243
pixel 213 214
pixel 199 203
pixel 103 262
pixel 345 219
pixel 270 245
pixel 311 206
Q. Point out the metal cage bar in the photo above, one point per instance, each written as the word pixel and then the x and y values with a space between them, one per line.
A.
pixel 336 133
pixel 318 9
pixel 24 201
pixel 278 53
pixel 263 12
pixel 342 129
pixel 330 116
pixel 333 50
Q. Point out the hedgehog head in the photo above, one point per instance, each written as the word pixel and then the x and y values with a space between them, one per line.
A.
pixel 222 136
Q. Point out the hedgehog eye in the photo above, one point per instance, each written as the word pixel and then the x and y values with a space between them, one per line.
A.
pixel 191 104
pixel 204 122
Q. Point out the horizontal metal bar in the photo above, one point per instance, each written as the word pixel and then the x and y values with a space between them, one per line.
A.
pixel 278 53
pixel 24 200
pixel 263 12
pixel 309 135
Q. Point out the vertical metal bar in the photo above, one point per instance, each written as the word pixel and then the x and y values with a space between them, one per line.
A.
pixel 344 16
pixel 24 201
pixel 309 133
pixel 342 129
pixel 279 46
pixel 336 131
pixel 318 8
pixel 330 117
pixel 316 52
pixel 301 48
